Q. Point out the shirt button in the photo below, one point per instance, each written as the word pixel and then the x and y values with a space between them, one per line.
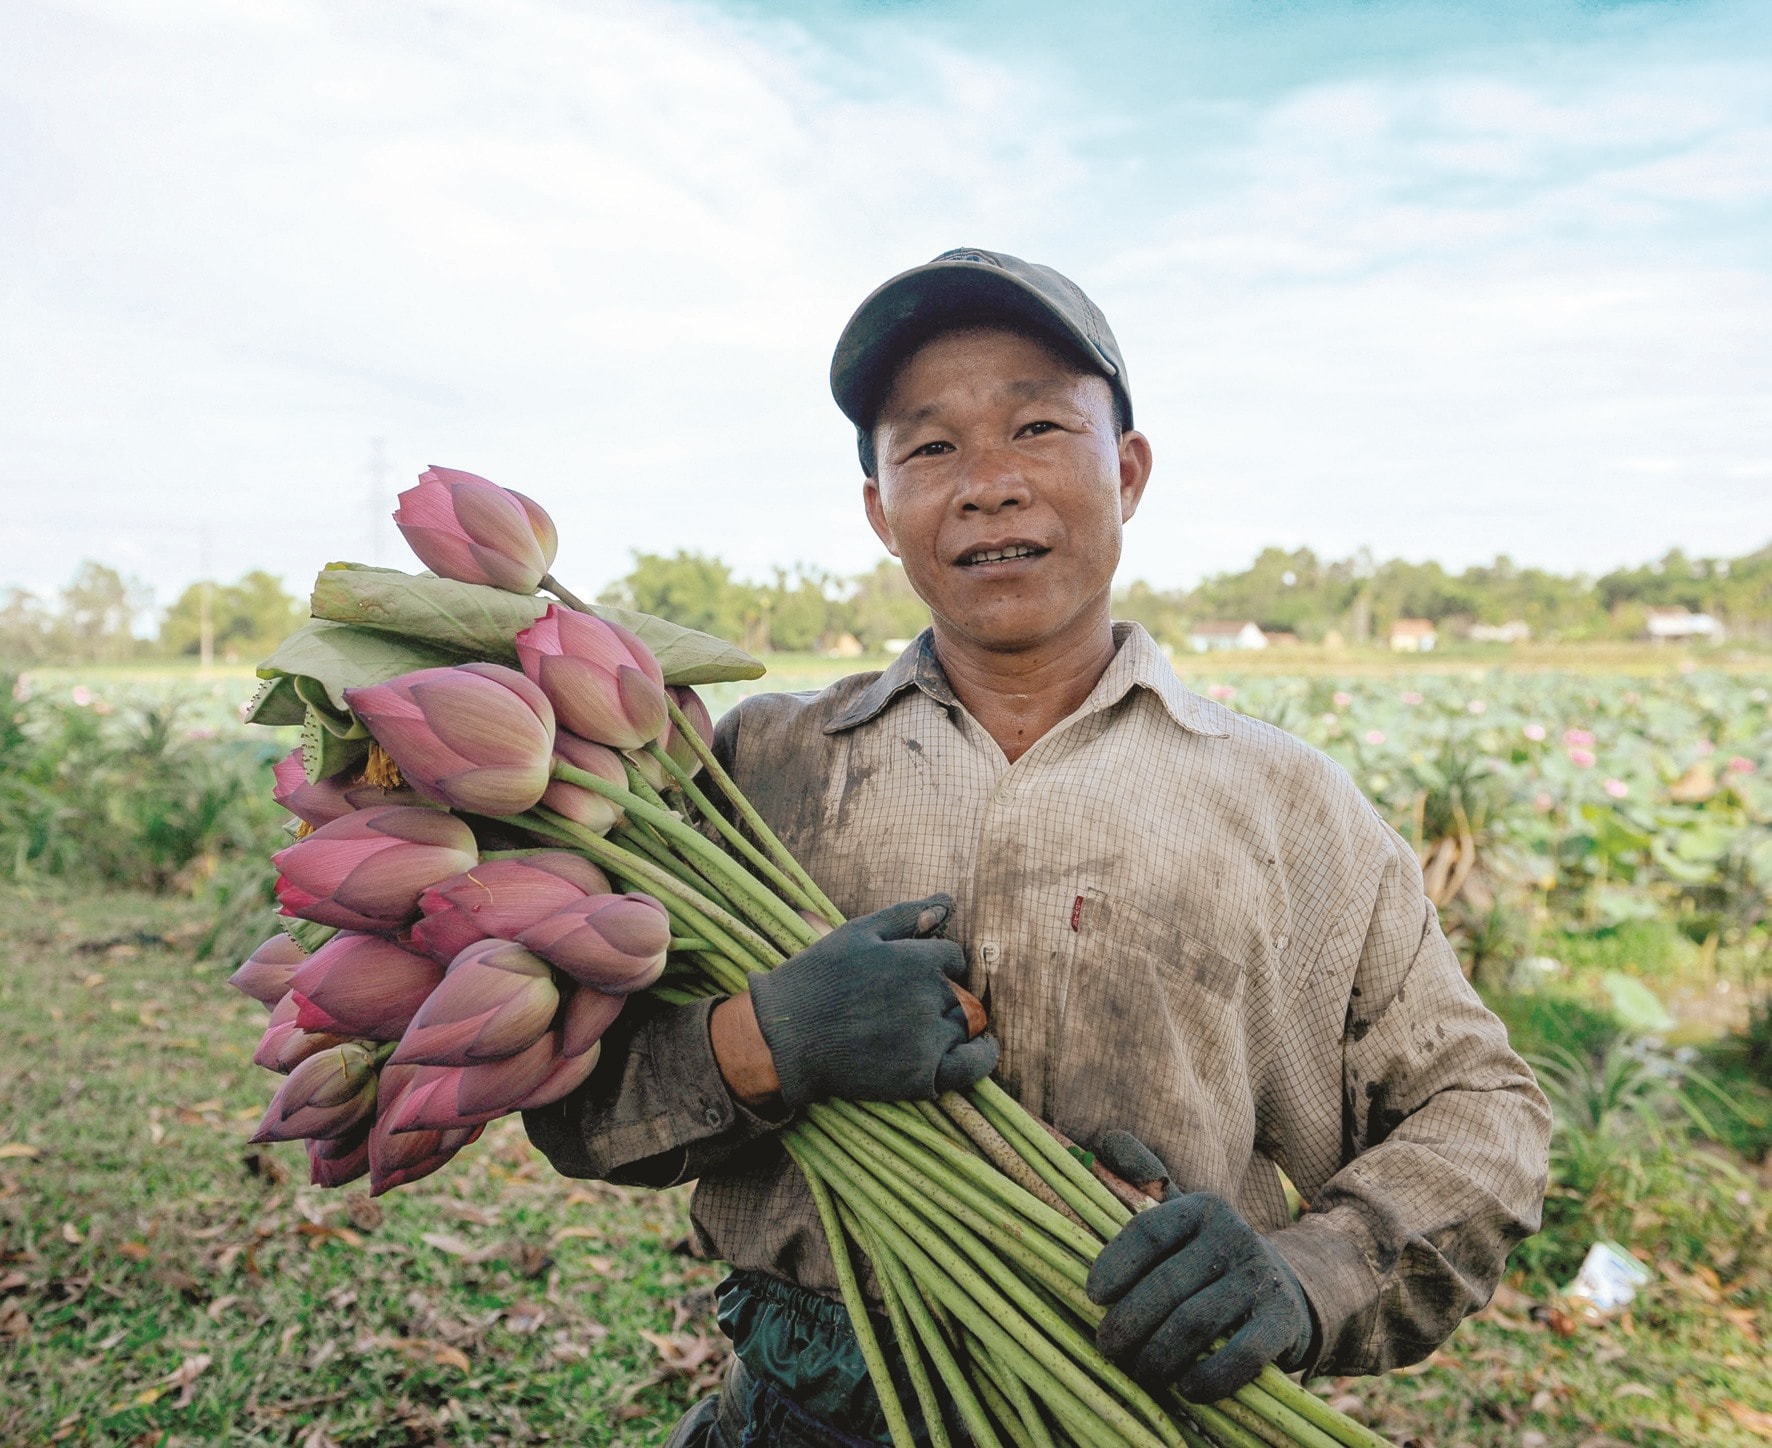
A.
pixel 711 1115
pixel 1281 942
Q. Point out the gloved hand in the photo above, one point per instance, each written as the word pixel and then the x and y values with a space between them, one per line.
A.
pixel 866 1014
pixel 1182 1275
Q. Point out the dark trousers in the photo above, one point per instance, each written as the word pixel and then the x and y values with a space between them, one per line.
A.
pixel 748 1412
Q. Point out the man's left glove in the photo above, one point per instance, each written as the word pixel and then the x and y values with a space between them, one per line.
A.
pixel 1184 1274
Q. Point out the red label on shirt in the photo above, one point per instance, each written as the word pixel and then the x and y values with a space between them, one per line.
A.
pixel 1077 913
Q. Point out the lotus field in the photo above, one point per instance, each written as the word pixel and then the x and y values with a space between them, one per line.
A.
pixel 489 818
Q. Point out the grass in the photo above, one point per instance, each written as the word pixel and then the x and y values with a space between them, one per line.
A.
pixel 162 1283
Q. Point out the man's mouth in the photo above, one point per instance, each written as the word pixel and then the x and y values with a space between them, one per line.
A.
pixel 1001 555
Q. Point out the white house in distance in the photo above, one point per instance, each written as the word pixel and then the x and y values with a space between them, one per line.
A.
pixel 1514 631
pixel 1412 636
pixel 1679 625
pixel 1206 638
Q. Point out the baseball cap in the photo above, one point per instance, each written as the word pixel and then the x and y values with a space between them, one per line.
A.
pixel 961 286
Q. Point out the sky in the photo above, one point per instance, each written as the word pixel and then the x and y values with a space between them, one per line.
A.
pixel 1438 279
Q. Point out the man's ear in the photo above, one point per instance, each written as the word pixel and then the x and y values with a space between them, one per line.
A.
pixel 870 499
pixel 1135 471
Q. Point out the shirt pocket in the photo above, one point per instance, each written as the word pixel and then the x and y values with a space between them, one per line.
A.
pixel 1149 1036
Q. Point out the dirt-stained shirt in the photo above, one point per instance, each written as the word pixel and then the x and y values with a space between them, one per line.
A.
pixel 1185 924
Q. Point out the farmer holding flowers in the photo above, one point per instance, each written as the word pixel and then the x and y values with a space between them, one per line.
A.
pixel 1203 954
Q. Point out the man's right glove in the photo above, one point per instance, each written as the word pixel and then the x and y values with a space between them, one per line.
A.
pixel 867 1014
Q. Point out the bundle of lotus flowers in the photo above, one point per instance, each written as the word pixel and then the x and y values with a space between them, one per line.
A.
pixel 490 859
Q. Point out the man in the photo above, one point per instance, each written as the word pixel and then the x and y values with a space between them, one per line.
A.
pixel 1186 925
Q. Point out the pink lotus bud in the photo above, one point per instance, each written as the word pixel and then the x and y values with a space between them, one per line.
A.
pixel 285 1045
pixel 699 720
pixel 569 1073
pixel 603 682
pixel 580 805
pixel 365 870
pixel 363 985
pixel 334 1163
pixel 501 899
pixel 324 1096
pixel 587 1013
pixel 478 737
pixel 319 803
pixel 399 1157
pixel 473 531
pixel 265 974
pixel 616 943
pixel 494 1000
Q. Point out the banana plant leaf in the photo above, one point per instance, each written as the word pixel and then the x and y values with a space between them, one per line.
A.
pixel 474 621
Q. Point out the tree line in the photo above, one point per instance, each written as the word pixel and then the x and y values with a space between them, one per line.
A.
pixel 102 616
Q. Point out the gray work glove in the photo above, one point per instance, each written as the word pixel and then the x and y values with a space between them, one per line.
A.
pixel 866 1014
pixel 1184 1274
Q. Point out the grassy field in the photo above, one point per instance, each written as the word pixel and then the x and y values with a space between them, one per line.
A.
pixel 163 1283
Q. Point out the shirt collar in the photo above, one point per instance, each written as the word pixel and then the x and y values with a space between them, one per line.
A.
pixel 1138 662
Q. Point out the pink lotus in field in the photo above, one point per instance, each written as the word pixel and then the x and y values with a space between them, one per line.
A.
pixel 605 684
pixel 1375 736
pixel 1617 788
pixel 477 737
pixel 473 531
pixel 1582 758
pixel 1224 693
pixel 264 975
pixel 285 1045
pixel 1534 732
pixel 1578 738
pixel 501 899
pixel 362 985
pixel 1409 696
pixel 323 1097
pixel 337 1162
pixel 614 943
pixel 365 870
pixel 1341 698
pixel 580 805
pixel 494 1000
pixel 1740 764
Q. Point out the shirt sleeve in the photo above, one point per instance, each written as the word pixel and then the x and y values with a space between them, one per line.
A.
pixel 656 1111
pixel 1446 1143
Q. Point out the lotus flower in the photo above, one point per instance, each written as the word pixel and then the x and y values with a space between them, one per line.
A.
pixel 604 682
pixel 477 737
pixel 473 531
pixel 264 975
pixel 495 999
pixel 588 1013
pixel 364 986
pixel 580 805
pixel 323 1097
pixel 319 803
pixel 397 1158
pixel 344 1159
pixel 675 744
pixel 501 899
pixel 615 943
pixel 285 1045
pixel 365 870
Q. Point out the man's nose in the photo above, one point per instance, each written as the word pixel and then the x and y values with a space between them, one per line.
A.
pixel 993 481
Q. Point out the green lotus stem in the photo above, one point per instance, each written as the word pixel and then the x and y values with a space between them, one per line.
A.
pixel 996 1149
pixel 1338 1425
pixel 1078 1423
pixel 689 942
pixel 1192 1438
pixel 767 912
pixel 1253 1423
pixel 1001 1410
pixel 675 996
pixel 896 1422
pixel 1080 1203
pixel 916 1189
pixel 979 1306
pixel 902 1333
pixel 736 940
pixel 647 843
pixel 930 1334
pixel 982 1175
pixel 1006 1114
pixel 1017 1413
pixel 748 813
pixel 1226 1431
pixel 1292 1428
pixel 796 893
pixel 932 1114
pixel 513 854
pixel 983 1213
pixel 559 590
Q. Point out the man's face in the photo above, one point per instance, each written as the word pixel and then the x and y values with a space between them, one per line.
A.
pixel 1002 487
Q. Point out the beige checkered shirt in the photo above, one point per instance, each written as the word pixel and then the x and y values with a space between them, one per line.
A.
pixel 1186 924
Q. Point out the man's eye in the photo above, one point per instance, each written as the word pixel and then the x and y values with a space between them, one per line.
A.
pixel 932 449
pixel 1036 428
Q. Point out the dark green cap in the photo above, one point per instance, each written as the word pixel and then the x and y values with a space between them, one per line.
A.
pixel 960 287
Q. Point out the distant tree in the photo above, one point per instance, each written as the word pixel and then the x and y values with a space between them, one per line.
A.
pixel 248 616
pixel 96 622
pixel 801 608
pixel 691 589
pixel 27 628
pixel 884 606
